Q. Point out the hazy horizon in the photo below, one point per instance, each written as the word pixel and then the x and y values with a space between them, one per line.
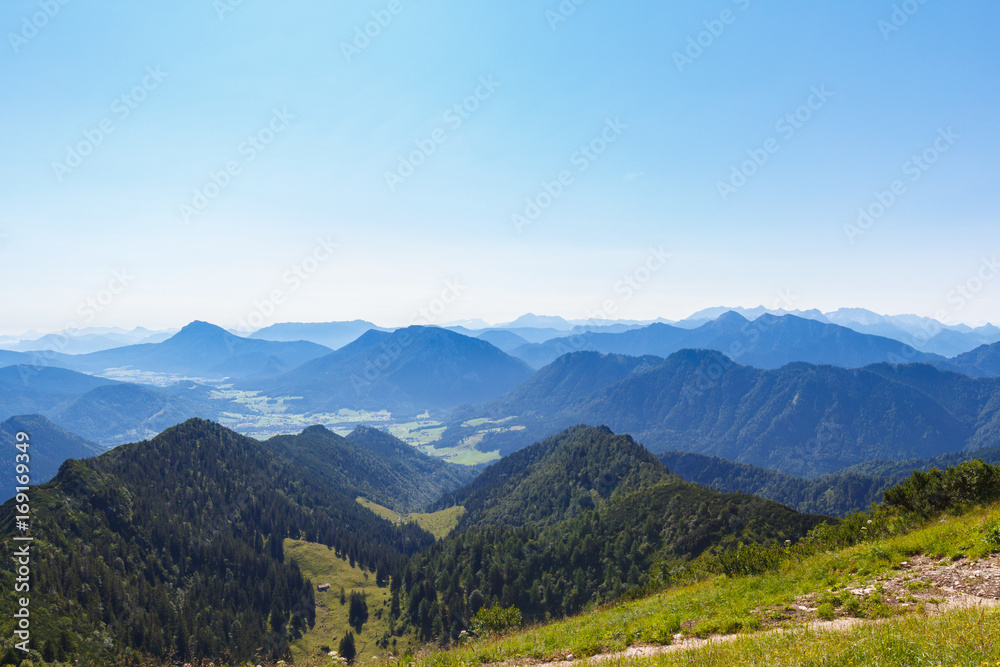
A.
pixel 468 322
pixel 278 160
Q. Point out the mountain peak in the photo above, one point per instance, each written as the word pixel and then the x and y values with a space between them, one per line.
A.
pixel 539 321
pixel 410 369
pixel 577 469
pixel 200 328
pixel 731 317
pixel 700 357
pixel 316 429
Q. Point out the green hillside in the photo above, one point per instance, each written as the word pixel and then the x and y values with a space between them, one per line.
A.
pixel 173 547
pixel 558 478
pixel 581 518
pixel 439 523
pixel 890 587
pixel 321 565
pixel 390 472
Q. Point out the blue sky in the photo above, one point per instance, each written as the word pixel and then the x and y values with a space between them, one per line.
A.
pixel 311 127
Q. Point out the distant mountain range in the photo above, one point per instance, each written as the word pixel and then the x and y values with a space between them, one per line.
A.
pixel 767 342
pixel 82 341
pixel 203 350
pixel 48 447
pixel 852 489
pixel 407 371
pixel 534 338
pixel 101 410
pixel 923 333
pixel 333 335
pixel 801 419
pixel 984 361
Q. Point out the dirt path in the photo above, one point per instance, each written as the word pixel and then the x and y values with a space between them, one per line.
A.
pixel 937 586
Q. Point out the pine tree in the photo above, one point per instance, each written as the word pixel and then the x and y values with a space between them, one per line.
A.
pixel 346 649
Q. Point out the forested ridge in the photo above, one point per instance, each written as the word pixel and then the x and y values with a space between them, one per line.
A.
pixel 557 478
pixel 513 554
pixel 801 419
pixel 852 489
pixel 373 464
pixel 173 547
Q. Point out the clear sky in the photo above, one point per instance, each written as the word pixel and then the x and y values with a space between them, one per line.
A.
pixel 116 116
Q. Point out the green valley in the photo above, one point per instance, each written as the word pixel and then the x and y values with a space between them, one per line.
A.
pixel 321 565
pixel 438 523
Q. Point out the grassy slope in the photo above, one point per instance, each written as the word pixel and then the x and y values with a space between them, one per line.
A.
pixel 722 603
pixel 967 637
pixel 322 566
pixel 438 524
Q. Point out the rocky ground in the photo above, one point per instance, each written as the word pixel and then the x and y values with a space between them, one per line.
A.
pixel 920 585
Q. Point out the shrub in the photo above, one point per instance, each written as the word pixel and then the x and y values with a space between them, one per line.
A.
pixel 495 620
pixel 875 607
pixel 750 559
pixel 825 611
pixel 853 605
pixel 935 491
pixel 992 536
pixel 828 597
pixel 662 632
